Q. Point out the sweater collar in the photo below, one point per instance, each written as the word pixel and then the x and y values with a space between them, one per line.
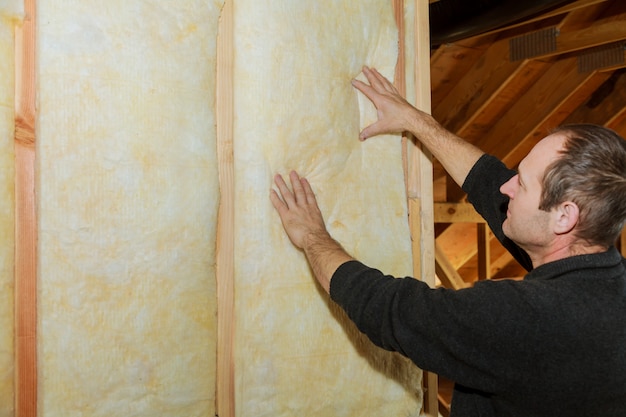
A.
pixel 580 265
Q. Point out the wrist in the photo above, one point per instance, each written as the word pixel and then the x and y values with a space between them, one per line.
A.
pixel 315 238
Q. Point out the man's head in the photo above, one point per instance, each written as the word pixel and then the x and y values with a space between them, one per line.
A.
pixel 590 172
pixel 570 191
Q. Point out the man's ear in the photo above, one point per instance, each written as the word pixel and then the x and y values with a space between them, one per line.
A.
pixel 567 214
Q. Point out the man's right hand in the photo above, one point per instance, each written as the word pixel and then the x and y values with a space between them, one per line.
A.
pixel 395 114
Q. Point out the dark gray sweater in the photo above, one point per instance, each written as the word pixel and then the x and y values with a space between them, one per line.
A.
pixel 551 345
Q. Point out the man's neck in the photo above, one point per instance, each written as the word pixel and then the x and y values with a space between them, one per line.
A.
pixel 558 252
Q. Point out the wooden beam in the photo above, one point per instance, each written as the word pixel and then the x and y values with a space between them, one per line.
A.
pixel 499 98
pixel 537 105
pixel 597 35
pixel 446 272
pixel 618 122
pixel 561 99
pixel 605 104
pixel 418 162
pixel 225 261
pixel 459 242
pixel 577 5
pixel 456 213
pixel 478 86
pixel 483 237
pixel 25 217
pixel 500 262
pixel 449 63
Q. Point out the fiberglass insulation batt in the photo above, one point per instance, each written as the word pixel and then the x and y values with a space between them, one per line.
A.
pixel 295 352
pixel 128 197
pixel 128 192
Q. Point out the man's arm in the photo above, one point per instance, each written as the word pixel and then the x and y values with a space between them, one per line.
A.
pixel 396 115
pixel 304 224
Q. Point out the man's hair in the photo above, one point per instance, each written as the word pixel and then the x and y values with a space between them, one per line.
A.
pixel 591 172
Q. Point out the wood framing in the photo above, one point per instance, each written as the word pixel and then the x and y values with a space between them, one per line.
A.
pixel 225 260
pixel 448 276
pixel 415 57
pixel 25 218
pixel 456 213
pixel 483 241
pixel 413 80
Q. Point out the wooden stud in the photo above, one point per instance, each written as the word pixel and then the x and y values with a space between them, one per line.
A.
pixel 420 174
pixel 415 44
pixel 25 218
pixel 456 213
pixel 225 262
pixel 483 243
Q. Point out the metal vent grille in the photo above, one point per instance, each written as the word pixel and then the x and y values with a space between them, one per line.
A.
pixel 533 44
pixel 601 57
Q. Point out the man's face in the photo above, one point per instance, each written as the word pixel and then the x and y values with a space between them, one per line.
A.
pixel 526 224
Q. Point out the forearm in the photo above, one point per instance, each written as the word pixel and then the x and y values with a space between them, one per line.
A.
pixel 325 256
pixel 455 154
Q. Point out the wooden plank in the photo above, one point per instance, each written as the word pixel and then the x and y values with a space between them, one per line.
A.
pixel 574 6
pixel 483 243
pixel 600 34
pixel 449 63
pixel 476 86
pixel 603 31
pixel 605 103
pixel 563 98
pixel 456 213
pixel 500 262
pixel 537 105
pixel 225 261
pixel 421 163
pixel 420 170
pixel 618 122
pixel 25 218
pixel 415 38
pixel 499 98
pixel 459 242
pixel 446 272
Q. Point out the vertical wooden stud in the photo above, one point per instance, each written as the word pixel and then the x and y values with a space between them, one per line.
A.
pixel 225 386
pixel 483 254
pixel 421 170
pixel 25 218
pixel 414 62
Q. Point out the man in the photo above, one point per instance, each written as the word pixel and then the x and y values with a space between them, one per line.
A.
pixel 551 345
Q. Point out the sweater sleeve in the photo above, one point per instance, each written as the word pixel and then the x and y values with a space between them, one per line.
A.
pixel 440 330
pixel 482 186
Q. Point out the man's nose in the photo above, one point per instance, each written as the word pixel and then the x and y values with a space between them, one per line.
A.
pixel 508 187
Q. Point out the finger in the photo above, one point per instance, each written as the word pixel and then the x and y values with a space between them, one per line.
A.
pixel 296 185
pixel 277 202
pixel 383 81
pixel 367 90
pixel 369 131
pixel 285 193
pixel 374 78
pixel 308 191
